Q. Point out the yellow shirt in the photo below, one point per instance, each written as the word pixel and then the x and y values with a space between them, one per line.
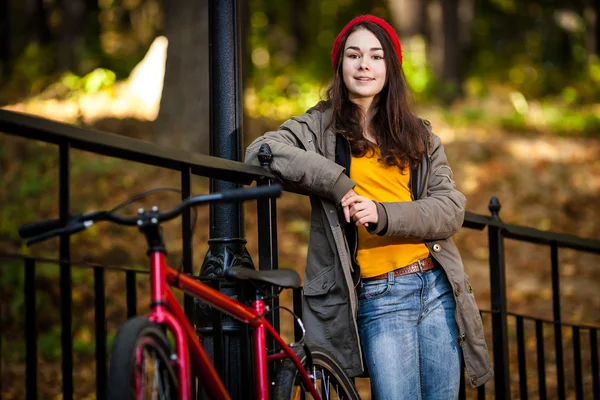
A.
pixel 380 254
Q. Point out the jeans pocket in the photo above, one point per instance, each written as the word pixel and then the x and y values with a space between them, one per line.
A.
pixel 374 289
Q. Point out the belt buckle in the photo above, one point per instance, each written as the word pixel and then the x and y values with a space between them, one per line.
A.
pixel 420 263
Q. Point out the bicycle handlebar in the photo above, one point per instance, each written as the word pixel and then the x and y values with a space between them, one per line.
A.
pixel 43 230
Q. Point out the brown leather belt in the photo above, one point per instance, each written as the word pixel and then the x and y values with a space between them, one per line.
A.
pixel 423 265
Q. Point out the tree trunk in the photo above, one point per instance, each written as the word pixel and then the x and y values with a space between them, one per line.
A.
pixel 298 20
pixel 452 43
pixel 5 38
pixel 245 12
pixel 466 13
pixel 589 18
pixel 408 17
pixel 597 26
pixel 72 35
pixel 446 47
pixel 37 20
pixel 183 120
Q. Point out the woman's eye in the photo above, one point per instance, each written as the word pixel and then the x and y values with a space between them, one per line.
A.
pixel 353 55
pixel 378 57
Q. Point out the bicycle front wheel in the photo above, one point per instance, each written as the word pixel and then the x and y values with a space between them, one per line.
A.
pixel 140 363
pixel 327 375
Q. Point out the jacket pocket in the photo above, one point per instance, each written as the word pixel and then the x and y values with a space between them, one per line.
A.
pixel 322 296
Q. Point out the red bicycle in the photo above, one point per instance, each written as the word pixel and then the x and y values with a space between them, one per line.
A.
pixel 144 363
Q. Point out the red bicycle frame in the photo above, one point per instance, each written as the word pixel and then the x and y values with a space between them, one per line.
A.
pixel 167 311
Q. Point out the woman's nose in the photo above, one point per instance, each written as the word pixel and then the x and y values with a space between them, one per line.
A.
pixel 364 64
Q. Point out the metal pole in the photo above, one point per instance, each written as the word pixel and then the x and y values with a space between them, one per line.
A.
pixel 66 299
pixel 31 331
pixel 225 339
pixel 267 244
pixel 558 346
pixel 498 300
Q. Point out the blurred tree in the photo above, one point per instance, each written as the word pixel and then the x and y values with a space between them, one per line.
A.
pixel 5 53
pixel 297 12
pixel 591 30
pixel 408 17
pixel 37 20
pixel 79 31
pixel 183 119
pixel 597 25
pixel 450 25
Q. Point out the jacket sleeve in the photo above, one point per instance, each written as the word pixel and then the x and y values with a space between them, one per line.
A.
pixel 439 215
pixel 301 167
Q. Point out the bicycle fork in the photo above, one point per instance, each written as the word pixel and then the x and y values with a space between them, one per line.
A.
pixel 160 315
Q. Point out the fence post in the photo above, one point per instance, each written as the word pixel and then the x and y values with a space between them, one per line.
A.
pixel 226 340
pixel 498 300
pixel 558 346
pixel 66 296
pixel 267 244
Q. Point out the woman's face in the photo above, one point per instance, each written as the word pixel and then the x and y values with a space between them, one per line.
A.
pixel 363 67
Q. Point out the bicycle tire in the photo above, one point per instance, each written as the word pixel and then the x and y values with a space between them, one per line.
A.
pixel 324 369
pixel 126 365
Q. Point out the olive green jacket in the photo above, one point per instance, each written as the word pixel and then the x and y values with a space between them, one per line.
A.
pixel 304 158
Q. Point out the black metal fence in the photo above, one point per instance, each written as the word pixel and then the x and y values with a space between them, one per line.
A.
pixel 67 137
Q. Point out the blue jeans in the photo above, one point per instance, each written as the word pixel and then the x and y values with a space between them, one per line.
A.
pixel 409 336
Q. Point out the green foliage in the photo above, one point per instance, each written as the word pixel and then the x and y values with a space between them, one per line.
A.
pixel 93 82
pixel 290 57
pixel 32 71
pixel 94 166
pixel 283 97
pixel 538 48
pixel 25 183
pixel 420 77
pixel 49 343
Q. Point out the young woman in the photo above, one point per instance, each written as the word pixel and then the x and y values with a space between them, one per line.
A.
pixel 384 289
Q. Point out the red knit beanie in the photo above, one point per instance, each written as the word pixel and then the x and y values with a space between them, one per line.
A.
pixel 364 18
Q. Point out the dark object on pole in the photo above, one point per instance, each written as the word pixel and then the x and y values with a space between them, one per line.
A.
pixel 225 339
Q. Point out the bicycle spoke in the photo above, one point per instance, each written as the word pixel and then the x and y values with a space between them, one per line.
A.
pixel 324 385
pixel 157 377
pixel 166 383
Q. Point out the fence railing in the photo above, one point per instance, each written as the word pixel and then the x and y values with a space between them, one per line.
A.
pixel 67 137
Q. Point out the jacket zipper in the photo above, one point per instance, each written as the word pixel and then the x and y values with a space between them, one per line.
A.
pixel 418 195
pixel 355 244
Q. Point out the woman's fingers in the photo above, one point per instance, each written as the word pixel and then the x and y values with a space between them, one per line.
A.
pixel 364 212
pixel 353 200
pixel 346 204
pixel 359 208
pixel 360 214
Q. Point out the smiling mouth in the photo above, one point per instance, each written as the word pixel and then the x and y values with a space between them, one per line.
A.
pixel 363 79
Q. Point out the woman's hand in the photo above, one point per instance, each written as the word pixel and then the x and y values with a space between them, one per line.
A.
pixel 361 209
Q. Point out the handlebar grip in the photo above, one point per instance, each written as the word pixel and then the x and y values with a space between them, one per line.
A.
pixel 78 227
pixel 40 227
pixel 252 193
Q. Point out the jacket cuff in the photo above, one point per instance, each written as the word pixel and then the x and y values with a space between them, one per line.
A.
pixel 382 221
pixel 342 185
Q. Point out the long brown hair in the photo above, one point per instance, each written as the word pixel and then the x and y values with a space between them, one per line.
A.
pixel 400 135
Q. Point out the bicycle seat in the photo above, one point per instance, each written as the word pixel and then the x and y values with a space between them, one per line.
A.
pixel 284 278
